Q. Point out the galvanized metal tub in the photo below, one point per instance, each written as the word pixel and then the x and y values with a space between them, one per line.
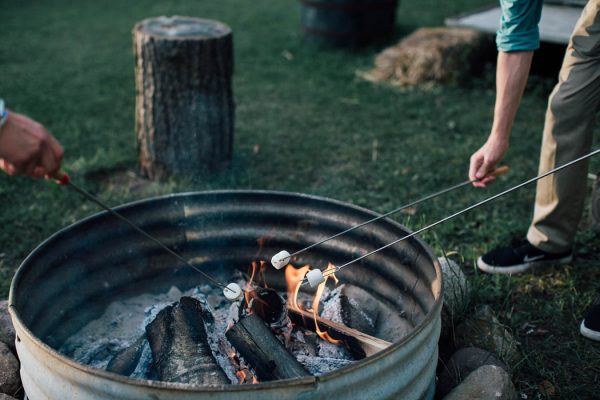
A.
pixel 72 277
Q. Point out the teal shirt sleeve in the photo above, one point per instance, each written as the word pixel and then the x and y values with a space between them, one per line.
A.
pixel 519 25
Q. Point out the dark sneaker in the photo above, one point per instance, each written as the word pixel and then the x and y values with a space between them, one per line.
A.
pixel 519 257
pixel 590 326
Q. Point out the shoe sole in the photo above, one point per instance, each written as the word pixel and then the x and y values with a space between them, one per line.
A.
pixel 517 269
pixel 588 333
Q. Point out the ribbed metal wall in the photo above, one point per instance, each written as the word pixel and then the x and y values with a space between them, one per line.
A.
pixel 71 278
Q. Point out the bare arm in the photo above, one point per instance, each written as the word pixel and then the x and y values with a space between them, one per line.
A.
pixel 511 77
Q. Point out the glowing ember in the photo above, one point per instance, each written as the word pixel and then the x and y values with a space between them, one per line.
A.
pixel 241 376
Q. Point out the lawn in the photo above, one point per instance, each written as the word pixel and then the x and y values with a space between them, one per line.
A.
pixel 304 123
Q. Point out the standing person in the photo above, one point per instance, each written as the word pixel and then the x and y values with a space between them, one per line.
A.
pixel 26 147
pixel 567 135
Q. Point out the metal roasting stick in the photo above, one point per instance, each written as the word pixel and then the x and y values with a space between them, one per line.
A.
pixel 497 172
pixel 512 189
pixel 64 179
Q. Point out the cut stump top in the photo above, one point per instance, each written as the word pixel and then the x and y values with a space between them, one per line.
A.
pixel 178 27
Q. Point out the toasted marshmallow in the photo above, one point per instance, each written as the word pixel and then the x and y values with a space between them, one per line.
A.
pixel 233 292
pixel 315 277
pixel 280 259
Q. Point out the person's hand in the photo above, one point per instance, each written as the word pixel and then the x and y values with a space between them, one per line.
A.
pixel 27 148
pixel 484 160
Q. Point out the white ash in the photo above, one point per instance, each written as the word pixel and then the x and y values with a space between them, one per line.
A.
pixel 124 321
pixel 321 365
pixel 333 351
pixel 303 344
pixel 121 324
pixel 332 305
pixel 144 368
pixel 317 355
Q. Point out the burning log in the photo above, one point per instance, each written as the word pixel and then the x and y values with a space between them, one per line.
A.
pixel 360 344
pixel 270 307
pixel 261 349
pixel 180 350
pixel 125 361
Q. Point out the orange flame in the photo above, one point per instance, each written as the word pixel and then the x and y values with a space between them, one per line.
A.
pixel 254 380
pixel 247 292
pixel 293 278
pixel 317 299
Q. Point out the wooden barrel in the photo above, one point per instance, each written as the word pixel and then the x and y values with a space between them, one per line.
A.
pixel 348 22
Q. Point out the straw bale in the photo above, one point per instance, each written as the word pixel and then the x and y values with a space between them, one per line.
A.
pixel 430 55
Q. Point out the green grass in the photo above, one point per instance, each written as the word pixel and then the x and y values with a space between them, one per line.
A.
pixel 303 123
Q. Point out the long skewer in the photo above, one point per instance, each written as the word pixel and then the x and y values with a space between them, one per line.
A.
pixel 64 179
pixel 281 259
pixel 485 201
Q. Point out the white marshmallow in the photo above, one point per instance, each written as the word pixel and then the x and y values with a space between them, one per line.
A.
pixel 280 259
pixel 315 277
pixel 233 292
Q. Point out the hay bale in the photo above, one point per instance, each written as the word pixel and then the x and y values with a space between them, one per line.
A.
pixel 430 55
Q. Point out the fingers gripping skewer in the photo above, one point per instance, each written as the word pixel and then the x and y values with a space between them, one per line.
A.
pixel 232 291
pixel 485 201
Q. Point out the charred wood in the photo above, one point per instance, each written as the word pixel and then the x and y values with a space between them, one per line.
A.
pixel 270 307
pixel 263 351
pixel 125 361
pixel 180 350
pixel 358 343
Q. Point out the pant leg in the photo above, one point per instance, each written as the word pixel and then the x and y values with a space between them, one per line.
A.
pixel 567 135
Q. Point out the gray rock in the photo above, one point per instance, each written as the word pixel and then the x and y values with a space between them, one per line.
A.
pixel 483 330
pixel 7 331
pixel 456 288
pixel 456 297
pixel 10 381
pixel 485 383
pixel 461 364
pixel 6 397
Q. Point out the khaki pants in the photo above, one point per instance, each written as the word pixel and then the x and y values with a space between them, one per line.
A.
pixel 567 135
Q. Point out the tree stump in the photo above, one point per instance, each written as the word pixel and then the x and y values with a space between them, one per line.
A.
pixel 184 98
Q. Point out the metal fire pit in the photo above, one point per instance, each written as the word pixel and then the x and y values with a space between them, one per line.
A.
pixel 72 277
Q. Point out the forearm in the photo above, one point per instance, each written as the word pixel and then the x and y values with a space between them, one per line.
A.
pixel 511 77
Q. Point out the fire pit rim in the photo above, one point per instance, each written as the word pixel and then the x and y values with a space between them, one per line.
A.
pixel 437 290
